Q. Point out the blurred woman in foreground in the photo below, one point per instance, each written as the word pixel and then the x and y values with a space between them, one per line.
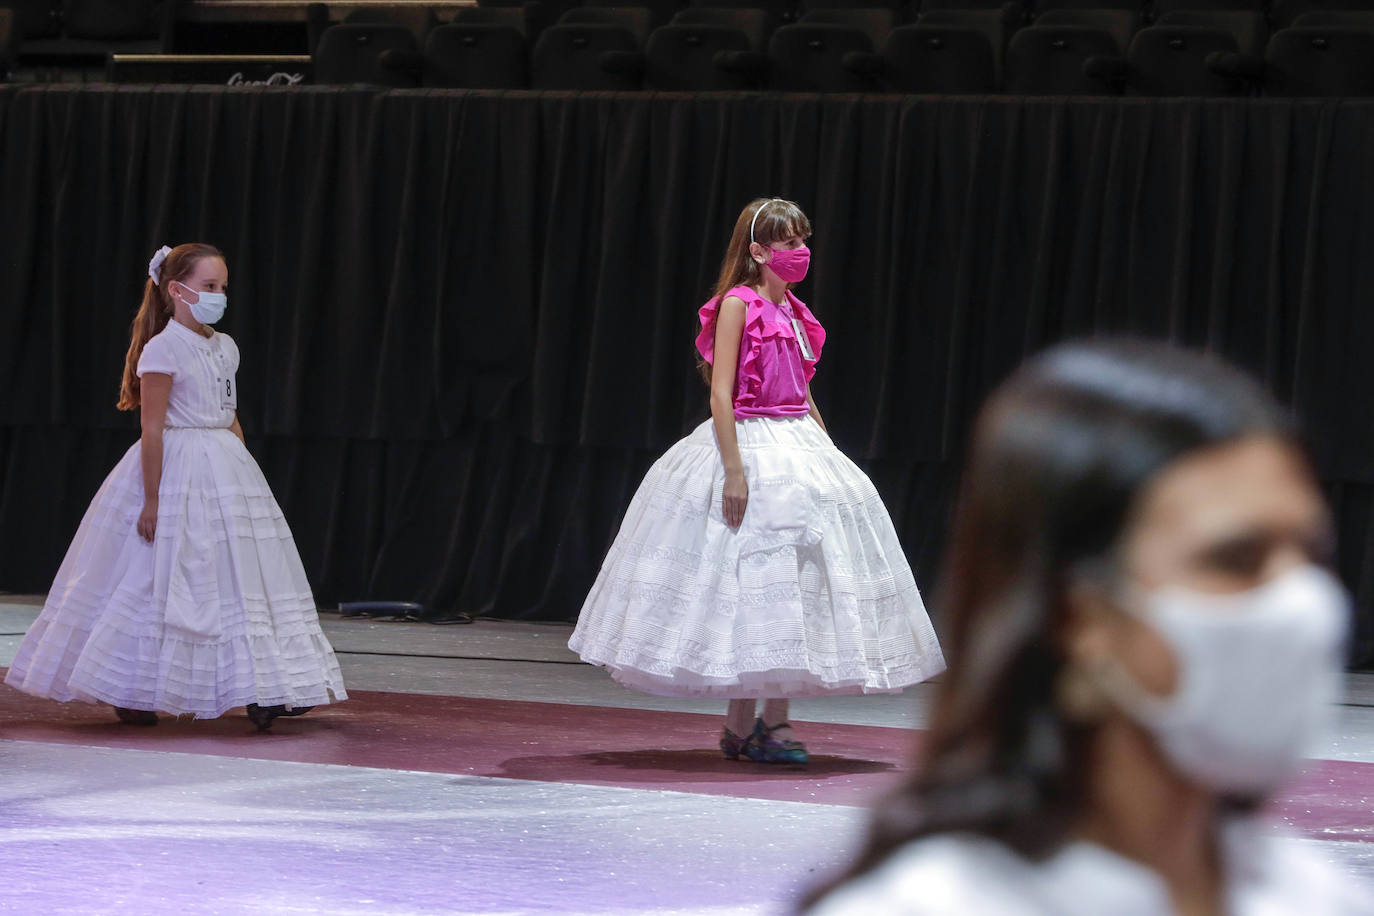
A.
pixel 1143 643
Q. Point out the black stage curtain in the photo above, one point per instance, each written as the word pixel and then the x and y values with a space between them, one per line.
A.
pixel 466 318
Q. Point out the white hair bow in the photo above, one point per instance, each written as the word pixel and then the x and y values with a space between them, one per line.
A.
pixel 155 265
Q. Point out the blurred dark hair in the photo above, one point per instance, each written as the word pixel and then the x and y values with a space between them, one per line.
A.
pixel 1059 455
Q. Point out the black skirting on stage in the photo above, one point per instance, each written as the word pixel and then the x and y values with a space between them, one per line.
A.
pixel 466 318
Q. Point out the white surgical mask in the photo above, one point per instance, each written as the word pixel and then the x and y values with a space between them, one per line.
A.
pixel 209 308
pixel 1258 674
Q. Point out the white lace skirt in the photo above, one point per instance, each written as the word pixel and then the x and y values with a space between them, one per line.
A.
pixel 810 595
pixel 215 613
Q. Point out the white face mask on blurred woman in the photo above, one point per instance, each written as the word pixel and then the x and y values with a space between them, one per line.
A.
pixel 1258 672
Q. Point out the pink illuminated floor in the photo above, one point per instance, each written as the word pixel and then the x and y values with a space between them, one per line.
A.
pixel 476 770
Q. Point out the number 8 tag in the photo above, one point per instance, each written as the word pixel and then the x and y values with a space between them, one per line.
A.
pixel 802 340
pixel 228 398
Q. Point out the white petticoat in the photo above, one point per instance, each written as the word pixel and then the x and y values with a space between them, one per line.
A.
pixel 811 595
pixel 215 613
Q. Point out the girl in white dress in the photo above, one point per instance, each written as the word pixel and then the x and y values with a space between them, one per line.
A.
pixel 756 562
pixel 182 591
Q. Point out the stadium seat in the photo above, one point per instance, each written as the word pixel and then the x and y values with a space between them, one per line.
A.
pixel 514 17
pixel 36 18
pixel 377 54
pixel 110 19
pixel 1250 29
pixel 539 14
pixel 810 6
pixel 878 23
pixel 83 33
pixel 997 24
pixel 810 57
pixel 758 25
pixel 419 19
pixel 1048 60
pixel 1359 20
pixel 635 19
pixel 1315 61
pixel 1171 60
pixel 1010 7
pixel 1118 23
pixel 476 55
pixel 1000 21
pixel 782 10
pixel 702 58
pixel 660 12
pixel 1162 8
pixel 1285 13
pixel 586 56
pixel 1044 6
pixel 937 59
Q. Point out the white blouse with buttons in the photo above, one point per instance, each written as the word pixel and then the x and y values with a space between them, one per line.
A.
pixel 204 387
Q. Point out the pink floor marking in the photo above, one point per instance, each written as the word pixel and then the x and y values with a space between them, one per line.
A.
pixel 593 745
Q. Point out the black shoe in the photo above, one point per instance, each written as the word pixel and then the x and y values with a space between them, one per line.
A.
pixel 262 716
pixel 136 716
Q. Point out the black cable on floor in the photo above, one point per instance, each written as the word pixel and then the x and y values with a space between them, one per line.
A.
pixel 403 611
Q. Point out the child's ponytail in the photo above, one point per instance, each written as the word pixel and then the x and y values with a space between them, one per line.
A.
pixel 156 309
pixel 152 317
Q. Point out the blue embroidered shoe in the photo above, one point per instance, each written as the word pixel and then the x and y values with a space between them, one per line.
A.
pixel 731 744
pixel 764 748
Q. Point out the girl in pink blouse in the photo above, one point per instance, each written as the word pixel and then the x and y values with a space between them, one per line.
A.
pixel 756 562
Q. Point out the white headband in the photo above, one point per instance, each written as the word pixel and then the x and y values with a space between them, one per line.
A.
pixel 756 215
pixel 155 265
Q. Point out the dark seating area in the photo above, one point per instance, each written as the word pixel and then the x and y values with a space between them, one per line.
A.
pixel 1036 47
pixel 42 33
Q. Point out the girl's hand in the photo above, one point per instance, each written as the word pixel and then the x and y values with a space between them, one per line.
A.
pixel 147 521
pixel 736 498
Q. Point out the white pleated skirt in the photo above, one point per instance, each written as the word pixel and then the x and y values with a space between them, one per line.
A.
pixel 810 595
pixel 215 613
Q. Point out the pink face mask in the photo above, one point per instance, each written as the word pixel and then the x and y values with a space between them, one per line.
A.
pixel 790 264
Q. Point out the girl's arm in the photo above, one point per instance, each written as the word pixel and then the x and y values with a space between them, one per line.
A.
pixel 815 411
pixel 236 429
pixel 729 329
pixel 154 390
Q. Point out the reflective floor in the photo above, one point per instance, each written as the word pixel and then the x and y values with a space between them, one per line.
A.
pixel 480 769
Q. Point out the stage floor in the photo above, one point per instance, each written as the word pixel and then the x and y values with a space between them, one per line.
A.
pixel 482 769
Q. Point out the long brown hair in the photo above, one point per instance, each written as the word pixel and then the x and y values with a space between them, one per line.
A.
pixel 156 310
pixel 1059 457
pixel 777 221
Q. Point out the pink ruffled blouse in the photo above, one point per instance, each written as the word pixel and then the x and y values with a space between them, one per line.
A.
pixel 773 370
